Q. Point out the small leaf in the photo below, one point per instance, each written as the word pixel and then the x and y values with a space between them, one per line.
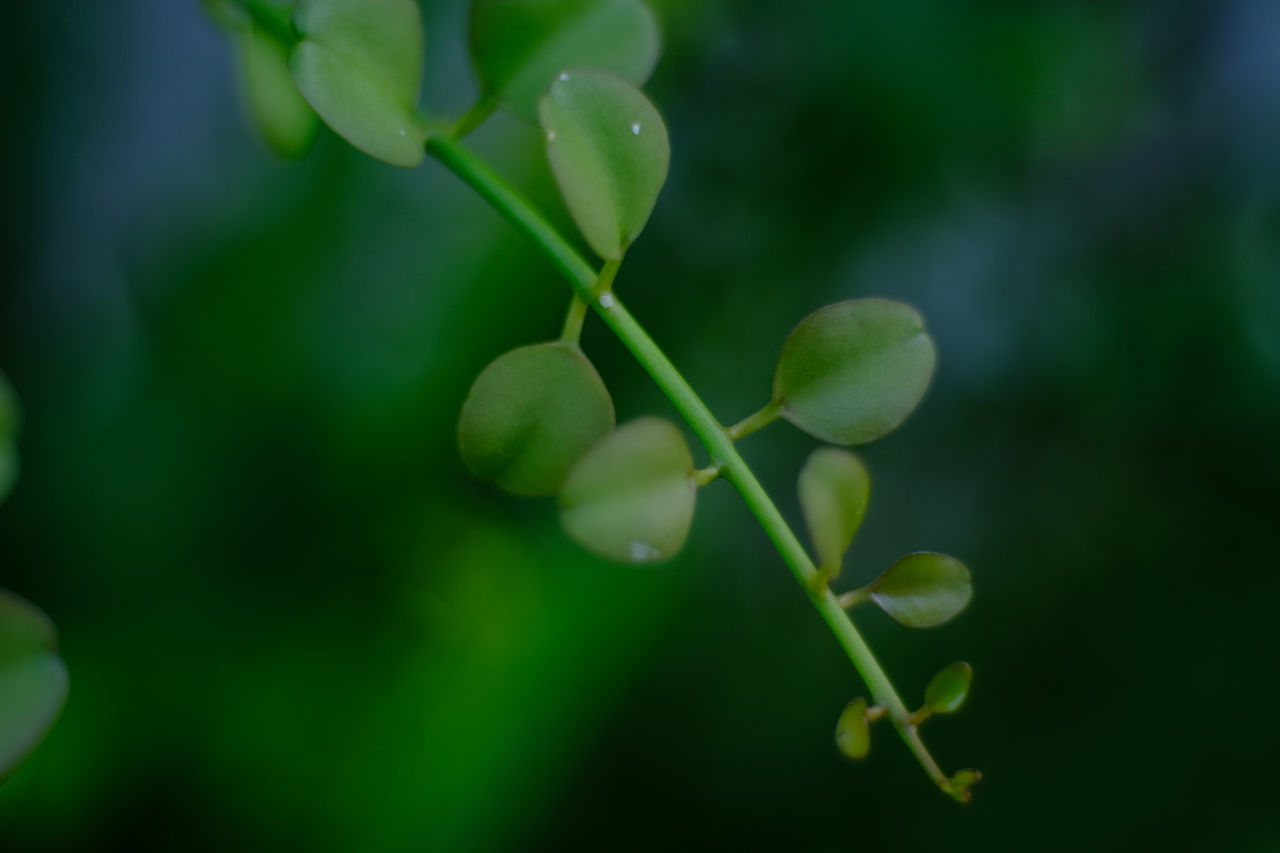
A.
pixel 609 151
pixel 834 489
pixel 853 735
pixel 33 681
pixel 631 497
pixel 947 690
pixel 958 785
pixel 530 416
pixel 359 65
pixel 284 120
pixel 519 46
pixel 923 590
pixel 851 372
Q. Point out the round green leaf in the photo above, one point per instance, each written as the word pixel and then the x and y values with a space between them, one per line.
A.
pixel 359 65
pixel 609 151
pixel 851 372
pixel 33 681
pixel 853 735
pixel 834 489
pixel 281 115
pixel 947 690
pixel 631 497
pixel 923 590
pixel 519 46
pixel 531 415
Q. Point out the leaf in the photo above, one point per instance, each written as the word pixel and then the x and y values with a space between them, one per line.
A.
pixel 284 120
pixel 530 416
pixel 609 151
pixel 958 785
pixel 947 690
pixel 359 65
pixel 33 681
pixel 519 46
pixel 923 590
pixel 853 734
pixel 834 489
pixel 851 372
pixel 631 497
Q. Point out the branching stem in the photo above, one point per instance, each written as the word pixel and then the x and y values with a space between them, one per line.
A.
pixel 716 438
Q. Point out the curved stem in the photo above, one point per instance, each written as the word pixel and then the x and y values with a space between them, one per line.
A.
pixel 474 117
pixel 710 432
pixel 758 421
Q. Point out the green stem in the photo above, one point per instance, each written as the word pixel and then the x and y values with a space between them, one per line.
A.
pixel 573 320
pixel 706 476
pixel 474 117
pixel 758 421
pixel 853 598
pixel 710 432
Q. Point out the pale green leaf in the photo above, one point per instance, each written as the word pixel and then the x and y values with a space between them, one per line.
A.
pixel 834 488
pixel 359 65
pixel 282 117
pixel 852 372
pixel 631 497
pixel 947 690
pixel 609 152
pixel 531 415
pixel 923 590
pixel 853 734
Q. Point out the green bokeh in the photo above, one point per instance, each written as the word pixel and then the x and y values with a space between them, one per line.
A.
pixel 291 620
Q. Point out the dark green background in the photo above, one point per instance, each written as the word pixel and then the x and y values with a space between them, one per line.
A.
pixel 293 622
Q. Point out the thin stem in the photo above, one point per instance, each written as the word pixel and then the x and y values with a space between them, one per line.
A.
pixel 710 432
pixel 852 599
pixel 706 476
pixel 573 320
pixel 474 117
pixel 758 421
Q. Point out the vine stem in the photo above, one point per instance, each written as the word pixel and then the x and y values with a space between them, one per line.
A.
pixel 715 437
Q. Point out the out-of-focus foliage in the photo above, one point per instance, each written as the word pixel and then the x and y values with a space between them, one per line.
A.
pixel 292 619
pixel 33 681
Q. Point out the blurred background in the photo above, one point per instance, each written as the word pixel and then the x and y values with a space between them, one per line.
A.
pixel 293 622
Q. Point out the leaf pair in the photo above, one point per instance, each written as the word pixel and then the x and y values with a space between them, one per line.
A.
pixel 920 590
pixel 945 693
pixel 33 680
pixel 538 421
